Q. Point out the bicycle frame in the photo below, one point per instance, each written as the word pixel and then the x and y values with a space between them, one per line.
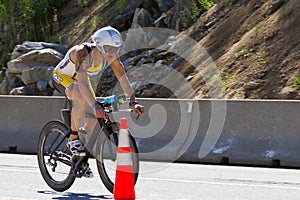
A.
pixel 79 163
pixel 59 167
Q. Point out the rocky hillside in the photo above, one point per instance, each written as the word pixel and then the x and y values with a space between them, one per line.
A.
pixel 236 50
pixel 255 46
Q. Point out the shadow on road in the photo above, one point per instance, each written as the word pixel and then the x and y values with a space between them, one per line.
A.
pixel 70 195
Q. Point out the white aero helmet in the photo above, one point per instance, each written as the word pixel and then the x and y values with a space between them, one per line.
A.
pixel 107 36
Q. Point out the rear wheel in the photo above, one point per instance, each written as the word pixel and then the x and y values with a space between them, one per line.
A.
pixel 54 158
pixel 107 158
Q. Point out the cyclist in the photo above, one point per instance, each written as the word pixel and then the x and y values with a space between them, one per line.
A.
pixel 71 78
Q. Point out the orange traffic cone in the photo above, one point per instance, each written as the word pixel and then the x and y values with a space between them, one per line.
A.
pixel 124 183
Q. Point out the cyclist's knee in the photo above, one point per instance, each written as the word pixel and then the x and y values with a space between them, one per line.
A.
pixel 73 92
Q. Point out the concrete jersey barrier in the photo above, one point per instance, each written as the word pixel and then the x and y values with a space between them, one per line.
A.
pixel 242 132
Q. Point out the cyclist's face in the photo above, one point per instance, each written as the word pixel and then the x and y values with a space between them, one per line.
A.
pixel 110 49
pixel 111 53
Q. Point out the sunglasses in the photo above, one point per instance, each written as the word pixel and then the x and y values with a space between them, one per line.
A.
pixel 110 48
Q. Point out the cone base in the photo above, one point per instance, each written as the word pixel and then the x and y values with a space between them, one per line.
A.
pixel 124 184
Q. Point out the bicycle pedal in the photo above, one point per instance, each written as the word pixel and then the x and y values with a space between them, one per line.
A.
pixel 76 174
pixel 79 173
pixel 79 166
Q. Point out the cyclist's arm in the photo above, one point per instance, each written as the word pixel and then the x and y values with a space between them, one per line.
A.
pixel 82 63
pixel 119 71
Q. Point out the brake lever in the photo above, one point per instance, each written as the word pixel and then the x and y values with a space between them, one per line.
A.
pixel 139 115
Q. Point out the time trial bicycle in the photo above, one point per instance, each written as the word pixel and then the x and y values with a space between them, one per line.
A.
pixel 56 163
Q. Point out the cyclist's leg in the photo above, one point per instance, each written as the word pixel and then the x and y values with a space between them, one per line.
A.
pixel 65 84
pixel 77 115
pixel 81 109
pixel 90 122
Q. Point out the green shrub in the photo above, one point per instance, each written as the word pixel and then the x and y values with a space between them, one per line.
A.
pixel 195 9
pixel 297 83
pixel 25 20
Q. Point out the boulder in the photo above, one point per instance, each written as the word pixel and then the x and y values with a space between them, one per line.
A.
pixel 24 90
pixel 165 5
pixel 42 86
pixel 11 81
pixel 35 58
pixel 142 18
pixel 33 75
pixel 288 92
pixel 4 87
pixel 30 68
pixel 123 21
pixel 275 6
pixel 30 46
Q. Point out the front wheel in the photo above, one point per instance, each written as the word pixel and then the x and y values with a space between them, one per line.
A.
pixel 54 158
pixel 107 158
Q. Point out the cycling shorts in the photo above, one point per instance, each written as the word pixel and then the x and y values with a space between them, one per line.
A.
pixel 62 83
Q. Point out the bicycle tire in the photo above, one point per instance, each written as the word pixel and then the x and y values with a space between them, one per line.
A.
pixel 54 132
pixel 104 168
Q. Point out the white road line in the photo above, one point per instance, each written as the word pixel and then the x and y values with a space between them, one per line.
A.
pixel 11 198
pixel 224 183
pixel 18 170
pixel 187 181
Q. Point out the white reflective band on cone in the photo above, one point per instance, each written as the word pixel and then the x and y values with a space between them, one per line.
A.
pixel 123 138
pixel 124 159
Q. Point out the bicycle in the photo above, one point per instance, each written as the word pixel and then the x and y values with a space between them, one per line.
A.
pixel 60 169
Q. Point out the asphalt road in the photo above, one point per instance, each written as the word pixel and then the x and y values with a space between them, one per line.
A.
pixel 21 179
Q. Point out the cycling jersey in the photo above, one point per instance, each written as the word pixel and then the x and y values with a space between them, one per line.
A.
pixel 64 73
pixel 67 67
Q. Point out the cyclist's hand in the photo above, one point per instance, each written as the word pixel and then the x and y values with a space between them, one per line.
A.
pixel 99 110
pixel 138 109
